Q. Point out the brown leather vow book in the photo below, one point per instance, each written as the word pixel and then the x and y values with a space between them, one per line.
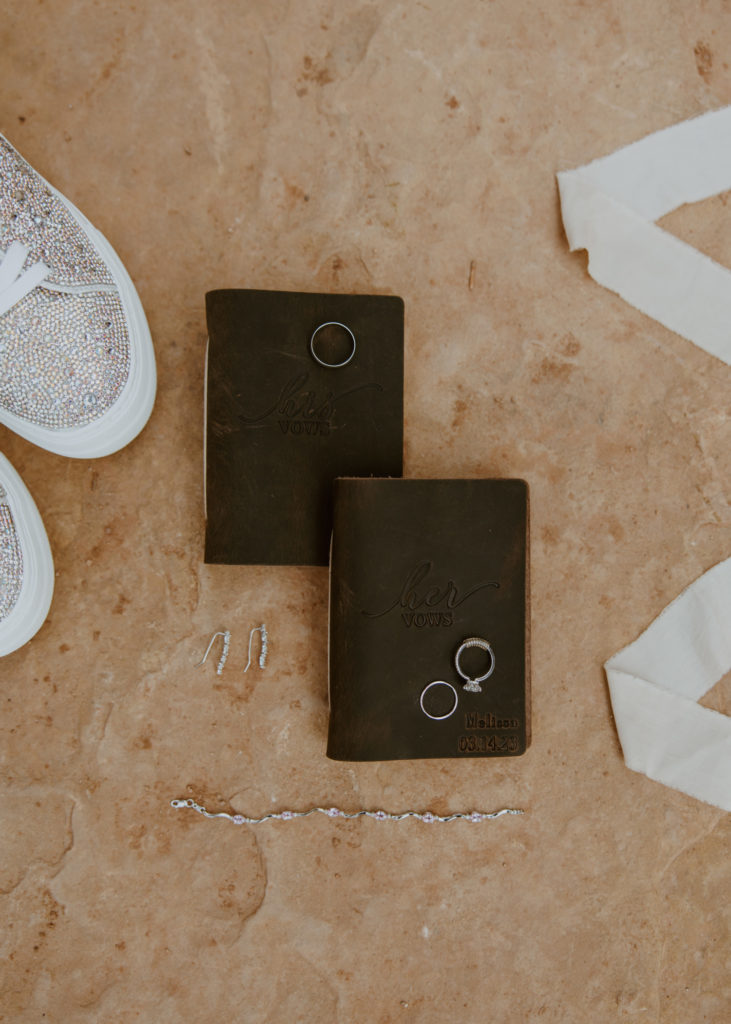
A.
pixel 418 567
pixel 301 388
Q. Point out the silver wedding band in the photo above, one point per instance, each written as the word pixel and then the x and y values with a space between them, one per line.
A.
pixel 438 682
pixel 322 362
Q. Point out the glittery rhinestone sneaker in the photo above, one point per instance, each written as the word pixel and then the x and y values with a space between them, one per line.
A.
pixel 26 566
pixel 77 368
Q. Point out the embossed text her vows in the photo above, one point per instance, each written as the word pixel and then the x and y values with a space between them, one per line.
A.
pixel 424 601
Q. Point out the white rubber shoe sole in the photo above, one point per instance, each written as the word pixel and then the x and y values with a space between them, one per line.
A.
pixel 124 420
pixel 31 608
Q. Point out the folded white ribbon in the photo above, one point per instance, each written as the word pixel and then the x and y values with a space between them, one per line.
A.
pixel 655 684
pixel 609 206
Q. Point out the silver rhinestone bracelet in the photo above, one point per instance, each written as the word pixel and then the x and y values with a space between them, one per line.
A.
pixel 335 812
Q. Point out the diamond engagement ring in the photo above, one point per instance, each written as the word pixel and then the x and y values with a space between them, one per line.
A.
pixel 472 683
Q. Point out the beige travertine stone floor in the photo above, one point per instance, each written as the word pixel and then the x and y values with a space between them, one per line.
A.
pixel 399 148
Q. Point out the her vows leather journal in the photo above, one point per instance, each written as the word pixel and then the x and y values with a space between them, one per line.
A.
pixel 429 619
pixel 301 388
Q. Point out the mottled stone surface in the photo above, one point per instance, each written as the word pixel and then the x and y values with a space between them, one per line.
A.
pixel 406 148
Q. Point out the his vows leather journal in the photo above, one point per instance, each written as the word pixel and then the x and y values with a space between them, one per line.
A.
pixel 301 388
pixel 429 618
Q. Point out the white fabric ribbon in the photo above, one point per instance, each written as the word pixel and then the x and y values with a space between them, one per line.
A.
pixel 655 684
pixel 15 284
pixel 609 206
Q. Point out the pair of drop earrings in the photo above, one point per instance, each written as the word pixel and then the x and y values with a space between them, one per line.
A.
pixel 471 684
pixel 225 633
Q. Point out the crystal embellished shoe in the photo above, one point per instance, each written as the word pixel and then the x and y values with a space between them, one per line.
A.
pixel 77 367
pixel 26 566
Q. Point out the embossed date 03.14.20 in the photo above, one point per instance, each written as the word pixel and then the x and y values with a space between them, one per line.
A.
pixel 491 744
